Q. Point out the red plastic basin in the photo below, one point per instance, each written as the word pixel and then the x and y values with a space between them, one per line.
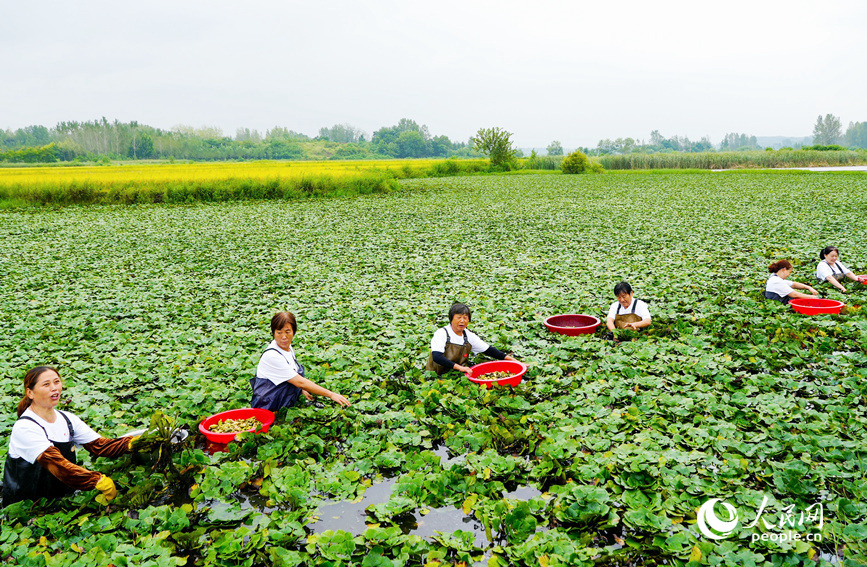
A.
pixel 816 306
pixel 477 373
pixel 265 417
pixel 572 324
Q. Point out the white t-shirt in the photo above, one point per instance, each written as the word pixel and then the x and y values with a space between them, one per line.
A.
pixel 823 270
pixel 640 309
pixel 778 285
pixel 278 367
pixel 438 342
pixel 28 440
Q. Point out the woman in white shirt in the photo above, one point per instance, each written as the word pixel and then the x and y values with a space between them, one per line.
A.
pixel 627 312
pixel 41 459
pixel 777 288
pixel 451 345
pixel 279 378
pixel 831 270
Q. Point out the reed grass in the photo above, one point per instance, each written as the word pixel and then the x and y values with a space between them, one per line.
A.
pixel 735 160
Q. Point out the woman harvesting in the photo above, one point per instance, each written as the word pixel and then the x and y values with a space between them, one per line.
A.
pixel 627 312
pixel 279 378
pixel 452 345
pixel 778 289
pixel 831 270
pixel 41 460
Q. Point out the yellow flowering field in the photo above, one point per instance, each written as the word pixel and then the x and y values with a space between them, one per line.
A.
pixel 137 182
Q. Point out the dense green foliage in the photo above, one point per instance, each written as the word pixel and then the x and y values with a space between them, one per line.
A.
pixel 726 395
pixel 576 162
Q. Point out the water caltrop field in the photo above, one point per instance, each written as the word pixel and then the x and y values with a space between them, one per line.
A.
pixel 604 455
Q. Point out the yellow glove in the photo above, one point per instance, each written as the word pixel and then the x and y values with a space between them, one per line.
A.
pixel 106 486
pixel 133 442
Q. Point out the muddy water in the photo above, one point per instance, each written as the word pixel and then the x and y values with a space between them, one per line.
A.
pixel 352 517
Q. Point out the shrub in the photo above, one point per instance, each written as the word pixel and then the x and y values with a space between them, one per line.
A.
pixel 576 162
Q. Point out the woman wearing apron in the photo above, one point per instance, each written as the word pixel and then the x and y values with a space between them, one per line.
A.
pixel 279 378
pixel 41 458
pixel 831 270
pixel 452 345
pixel 781 290
pixel 627 312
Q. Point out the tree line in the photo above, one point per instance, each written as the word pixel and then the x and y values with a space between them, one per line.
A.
pixel 102 140
pixel 827 134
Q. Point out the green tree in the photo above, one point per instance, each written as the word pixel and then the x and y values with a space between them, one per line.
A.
pixel 856 135
pixel 141 146
pixel 555 149
pixel 281 133
pixel 576 162
pixel 342 134
pixel 827 131
pixel 734 141
pixel 283 149
pixel 411 144
pixel 496 143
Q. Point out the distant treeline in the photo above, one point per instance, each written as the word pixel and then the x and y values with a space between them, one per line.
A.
pixel 855 137
pixel 101 140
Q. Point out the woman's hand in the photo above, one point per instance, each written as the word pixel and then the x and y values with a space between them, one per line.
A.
pixel 510 357
pixel 337 398
pixel 307 395
pixel 463 369
pixel 107 490
pixel 812 290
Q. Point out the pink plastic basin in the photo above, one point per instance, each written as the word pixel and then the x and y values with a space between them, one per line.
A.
pixel 572 324
pixel 265 417
pixel 816 306
pixel 517 369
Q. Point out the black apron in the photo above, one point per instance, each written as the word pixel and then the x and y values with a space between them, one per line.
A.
pixel 270 396
pixel 620 321
pixel 777 297
pixel 784 299
pixel 454 352
pixel 32 481
pixel 839 277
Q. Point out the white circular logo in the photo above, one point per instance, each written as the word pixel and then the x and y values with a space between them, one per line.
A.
pixel 713 527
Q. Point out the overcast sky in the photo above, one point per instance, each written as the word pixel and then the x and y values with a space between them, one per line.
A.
pixel 567 70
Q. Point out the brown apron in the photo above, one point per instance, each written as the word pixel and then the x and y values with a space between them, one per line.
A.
pixel 620 321
pixel 454 352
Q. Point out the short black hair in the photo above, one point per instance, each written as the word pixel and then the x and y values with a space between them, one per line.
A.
pixel 281 319
pixel 459 309
pixel 622 287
